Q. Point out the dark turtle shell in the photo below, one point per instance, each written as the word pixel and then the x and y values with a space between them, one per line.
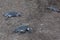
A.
pixel 23 29
pixel 53 8
pixel 11 14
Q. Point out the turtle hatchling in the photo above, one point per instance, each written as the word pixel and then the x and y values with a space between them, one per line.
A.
pixel 12 14
pixel 23 29
pixel 53 8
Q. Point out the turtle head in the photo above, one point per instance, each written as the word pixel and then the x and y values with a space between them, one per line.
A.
pixel 29 30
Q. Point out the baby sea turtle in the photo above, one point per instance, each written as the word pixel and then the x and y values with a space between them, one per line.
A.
pixel 12 14
pixel 53 8
pixel 23 29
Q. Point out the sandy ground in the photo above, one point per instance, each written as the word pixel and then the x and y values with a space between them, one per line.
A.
pixel 45 23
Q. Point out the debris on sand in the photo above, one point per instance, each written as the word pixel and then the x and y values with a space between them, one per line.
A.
pixel 53 8
pixel 23 29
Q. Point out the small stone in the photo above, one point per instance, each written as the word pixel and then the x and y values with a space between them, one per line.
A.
pixel 41 24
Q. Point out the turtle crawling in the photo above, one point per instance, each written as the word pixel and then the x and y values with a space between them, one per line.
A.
pixel 23 29
pixel 53 8
pixel 12 14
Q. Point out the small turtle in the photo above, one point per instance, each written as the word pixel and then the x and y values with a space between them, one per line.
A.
pixel 12 14
pixel 23 29
pixel 53 8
